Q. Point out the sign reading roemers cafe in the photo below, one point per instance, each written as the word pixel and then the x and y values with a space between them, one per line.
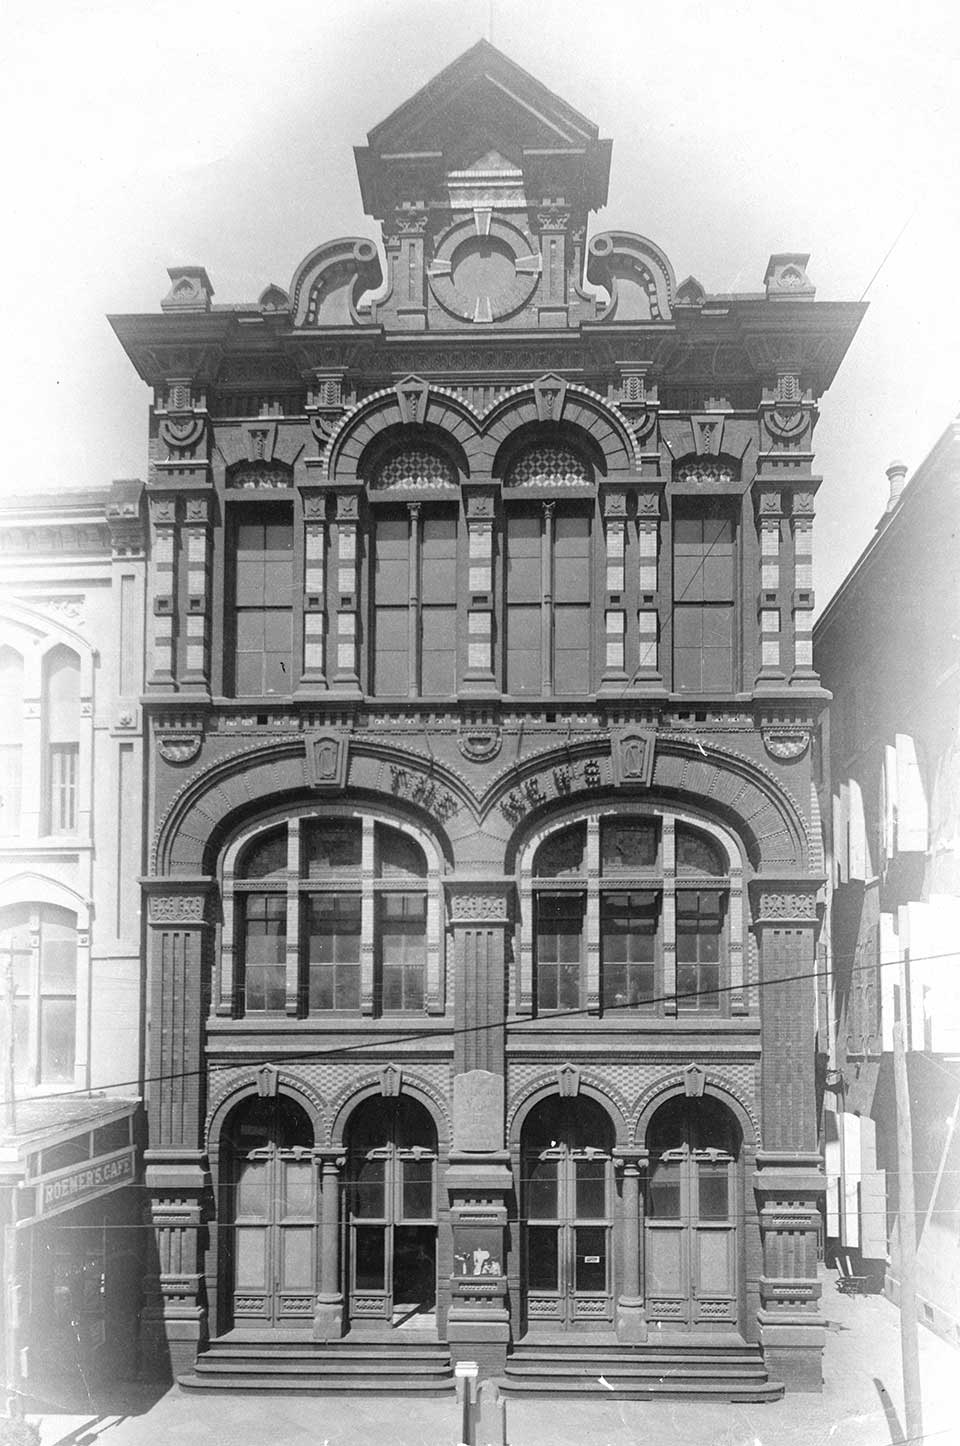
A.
pixel 66 1188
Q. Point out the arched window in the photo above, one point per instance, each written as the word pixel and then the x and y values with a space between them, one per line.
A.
pixel 62 728
pixel 334 913
pixel 11 741
pixel 39 943
pixel 627 913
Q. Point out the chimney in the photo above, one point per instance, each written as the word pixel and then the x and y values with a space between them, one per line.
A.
pixel 897 474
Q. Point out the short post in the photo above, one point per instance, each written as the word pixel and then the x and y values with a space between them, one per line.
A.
pixel 466 1373
pixel 491 1419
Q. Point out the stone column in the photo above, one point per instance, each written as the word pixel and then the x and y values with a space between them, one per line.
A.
pixel 177 1178
pixel 631 1319
pixel 328 1310
pixel 789 1179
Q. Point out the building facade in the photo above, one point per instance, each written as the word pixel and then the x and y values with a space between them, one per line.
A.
pixel 887 648
pixel 72 579
pixel 484 856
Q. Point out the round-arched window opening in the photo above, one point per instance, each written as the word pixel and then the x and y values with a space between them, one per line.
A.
pixel 580 1124
pixel 561 853
pixel 552 465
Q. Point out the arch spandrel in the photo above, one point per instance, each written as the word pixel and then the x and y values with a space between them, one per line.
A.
pixel 546 1088
pixel 349 1101
pixel 740 792
pixel 717 1087
pixel 273 778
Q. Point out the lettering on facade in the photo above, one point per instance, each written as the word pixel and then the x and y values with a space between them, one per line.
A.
pixel 477 1112
pixel 418 788
pixel 565 779
pixel 61 1192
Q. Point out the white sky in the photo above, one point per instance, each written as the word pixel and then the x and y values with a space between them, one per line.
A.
pixel 144 135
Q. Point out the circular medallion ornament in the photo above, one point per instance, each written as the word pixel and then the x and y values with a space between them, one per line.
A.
pixel 484 269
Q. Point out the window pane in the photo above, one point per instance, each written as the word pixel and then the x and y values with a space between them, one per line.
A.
pixel 713 1191
pixel 561 853
pixel 629 925
pixel 402 950
pixel 265 947
pixel 626 847
pixel 417 1189
pixel 265 857
pixel 591 1247
pixel 559 950
pixel 542 1199
pixel 331 847
pixel 591 1177
pixel 542 1258
pixel 369 1189
pixel 370 1257
pixel 58 1018
pixel 333 951
pixel 664 1193
pixel 398 855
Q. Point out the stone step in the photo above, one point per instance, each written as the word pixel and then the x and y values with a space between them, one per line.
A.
pixel 639 1370
pixel 385 1368
pixel 674 1388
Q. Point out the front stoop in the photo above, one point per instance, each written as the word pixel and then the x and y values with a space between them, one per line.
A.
pixel 386 1367
pixel 719 1369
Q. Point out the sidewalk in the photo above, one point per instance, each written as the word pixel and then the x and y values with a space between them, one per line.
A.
pixel 861 1405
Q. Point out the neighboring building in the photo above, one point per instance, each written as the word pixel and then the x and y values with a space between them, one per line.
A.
pixel 484 856
pixel 888 648
pixel 72 577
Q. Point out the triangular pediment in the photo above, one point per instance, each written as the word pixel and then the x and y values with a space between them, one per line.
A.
pixel 485 82
pixel 483 107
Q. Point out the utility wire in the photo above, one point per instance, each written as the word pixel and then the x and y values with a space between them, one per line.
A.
pixel 443 1032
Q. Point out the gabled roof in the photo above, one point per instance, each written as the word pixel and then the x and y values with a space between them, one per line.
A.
pixel 483 101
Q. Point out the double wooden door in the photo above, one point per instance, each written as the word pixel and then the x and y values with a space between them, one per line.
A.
pixel 271 1215
pixel 693 1206
pixel 567 1202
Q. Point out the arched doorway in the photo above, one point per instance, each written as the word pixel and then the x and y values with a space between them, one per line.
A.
pixel 269 1205
pixel 693 1214
pixel 567 1213
pixel 392 1211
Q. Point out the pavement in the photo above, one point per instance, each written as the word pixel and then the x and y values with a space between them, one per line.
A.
pixel 861 1405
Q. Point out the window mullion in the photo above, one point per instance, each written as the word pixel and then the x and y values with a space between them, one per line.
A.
pixel 33 1049
pixel 293 971
pixel 592 915
pixel 367 908
pixel 414 632
pixel 546 593
pixel 668 916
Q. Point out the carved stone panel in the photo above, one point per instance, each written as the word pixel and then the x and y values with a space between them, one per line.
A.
pixel 478 1111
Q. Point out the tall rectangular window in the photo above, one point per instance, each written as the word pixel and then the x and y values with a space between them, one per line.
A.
pixel 402 947
pixel 628 942
pixel 391 592
pixel 263 601
pixel 333 951
pixel 559 951
pixel 571 599
pixel 438 606
pixel 699 943
pixel 414 585
pixel 704 594
pixel 11 741
pixel 61 726
pixel 524 665
pixel 265 953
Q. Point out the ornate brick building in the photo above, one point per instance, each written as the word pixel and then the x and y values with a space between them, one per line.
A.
pixel 72 586
pixel 484 856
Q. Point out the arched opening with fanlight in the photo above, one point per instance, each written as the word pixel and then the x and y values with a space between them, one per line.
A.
pixel 566 1211
pixel 269 1207
pixel 693 1215
pixel 392 1212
